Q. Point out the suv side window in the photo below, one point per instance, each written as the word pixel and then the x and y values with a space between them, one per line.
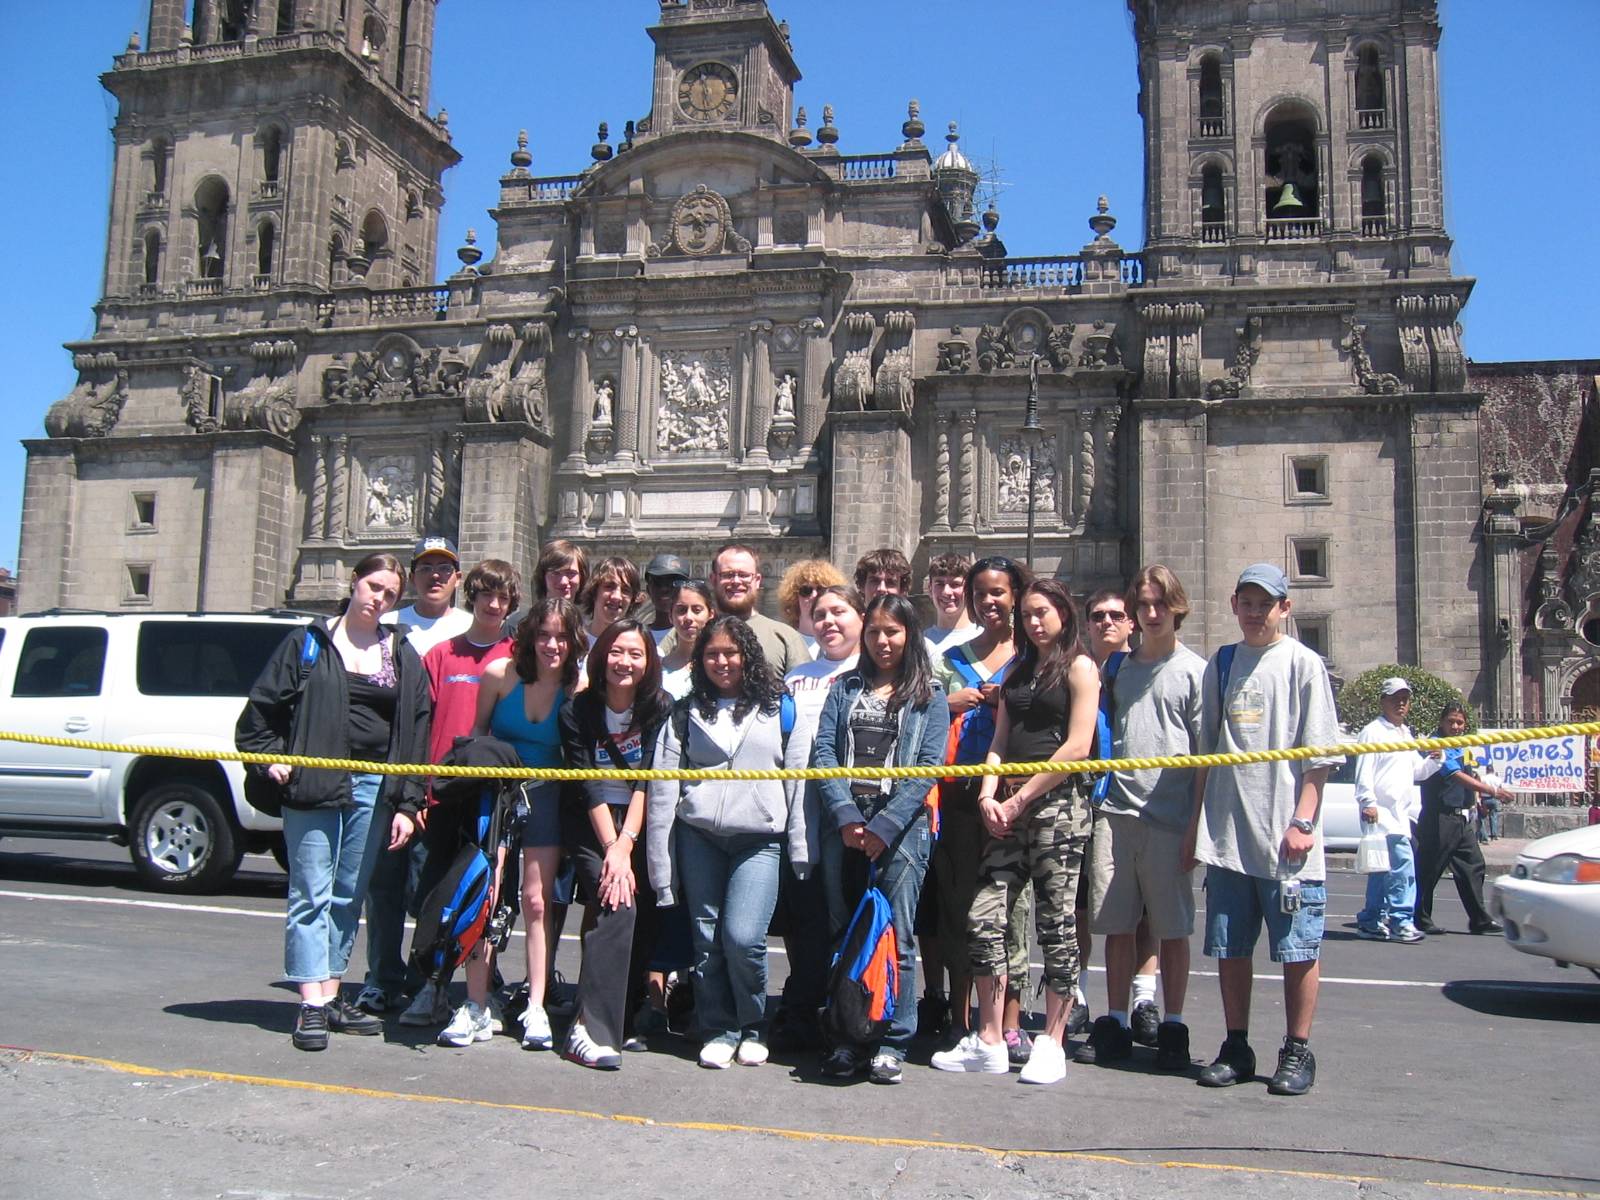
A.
pixel 204 658
pixel 61 661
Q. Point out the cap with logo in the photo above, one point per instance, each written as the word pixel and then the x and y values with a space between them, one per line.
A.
pixel 667 566
pixel 435 545
pixel 1394 685
pixel 1267 577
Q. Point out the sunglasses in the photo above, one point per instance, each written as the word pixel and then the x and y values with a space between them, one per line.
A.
pixel 1107 614
pixel 809 589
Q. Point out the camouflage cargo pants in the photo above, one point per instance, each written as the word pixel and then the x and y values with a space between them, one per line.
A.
pixel 1048 849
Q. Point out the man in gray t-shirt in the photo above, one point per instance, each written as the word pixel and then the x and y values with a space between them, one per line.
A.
pixel 1258 826
pixel 1153 700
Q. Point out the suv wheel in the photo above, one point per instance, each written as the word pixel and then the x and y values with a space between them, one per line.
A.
pixel 181 839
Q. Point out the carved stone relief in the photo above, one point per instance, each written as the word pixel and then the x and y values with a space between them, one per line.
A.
pixel 91 409
pixel 701 225
pixel 852 381
pixel 892 385
pixel 391 494
pixel 1013 476
pixel 694 410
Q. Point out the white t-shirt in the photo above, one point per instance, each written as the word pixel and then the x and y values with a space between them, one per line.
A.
pixel 677 681
pixel 616 792
pixel 427 632
pixel 809 683
pixel 940 640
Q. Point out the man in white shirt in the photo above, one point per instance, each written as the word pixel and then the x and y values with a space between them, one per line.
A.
pixel 947 588
pixel 1386 794
pixel 432 616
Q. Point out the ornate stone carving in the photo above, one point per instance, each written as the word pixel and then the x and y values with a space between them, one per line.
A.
pixel 1100 347
pixel 941 474
pixel 1553 613
pixel 391 494
pixel 1430 343
pixel 1058 346
pixel 1228 387
pixel 196 393
pixel 1086 466
pixel 702 225
pixel 967 517
pixel 91 409
pixel 853 382
pixel 1354 343
pixel 602 407
pixel 1013 475
pixel 264 403
pixel 995 349
pixel 783 428
pixel 893 384
pixel 352 383
pixel 512 387
pixel 317 501
pixel 696 403
pixel 955 354
pixel 1171 350
pixel 1187 319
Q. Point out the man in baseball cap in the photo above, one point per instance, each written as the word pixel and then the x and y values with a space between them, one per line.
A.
pixel 1386 794
pixel 661 580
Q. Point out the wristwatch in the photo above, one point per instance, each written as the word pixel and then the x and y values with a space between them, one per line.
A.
pixel 1303 824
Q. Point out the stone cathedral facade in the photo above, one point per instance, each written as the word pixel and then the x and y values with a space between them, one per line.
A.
pixel 724 327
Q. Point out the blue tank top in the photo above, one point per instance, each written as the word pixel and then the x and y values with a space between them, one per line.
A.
pixel 538 744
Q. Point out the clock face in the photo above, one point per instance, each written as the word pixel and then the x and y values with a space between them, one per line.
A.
pixel 708 92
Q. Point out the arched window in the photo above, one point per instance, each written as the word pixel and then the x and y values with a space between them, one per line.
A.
pixel 285 17
pixel 271 153
pixel 266 248
pixel 335 258
pixel 1293 193
pixel 1213 205
pixel 158 167
pixel 1213 122
pixel 152 259
pixel 1370 106
pixel 372 38
pixel 211 203
pixel 374 235
pixel 1374 201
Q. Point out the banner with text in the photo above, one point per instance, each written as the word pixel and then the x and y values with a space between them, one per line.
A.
pixel 1547 765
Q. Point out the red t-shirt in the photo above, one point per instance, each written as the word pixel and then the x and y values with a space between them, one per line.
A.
pixel 455 668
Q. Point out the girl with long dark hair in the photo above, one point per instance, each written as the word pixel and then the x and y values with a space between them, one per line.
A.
pixel 1038 831
pixel 716 845
pixel 888 711
pixel 693 606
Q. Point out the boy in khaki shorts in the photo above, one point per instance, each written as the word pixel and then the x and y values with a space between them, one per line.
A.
pixel 1155 706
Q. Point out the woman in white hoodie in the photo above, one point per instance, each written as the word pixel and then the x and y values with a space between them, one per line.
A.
pixel 718 845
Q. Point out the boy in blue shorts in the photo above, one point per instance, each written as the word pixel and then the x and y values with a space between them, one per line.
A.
pixel 1258 826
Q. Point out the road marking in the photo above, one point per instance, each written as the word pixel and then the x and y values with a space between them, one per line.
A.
pixel 227 911
pixel 24 1055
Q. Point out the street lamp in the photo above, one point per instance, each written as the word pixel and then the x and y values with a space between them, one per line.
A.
pixel 1032 435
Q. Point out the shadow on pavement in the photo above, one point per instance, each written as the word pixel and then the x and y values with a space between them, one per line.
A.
pixel 1577 1002
pixel 31 867
pixel 275 1016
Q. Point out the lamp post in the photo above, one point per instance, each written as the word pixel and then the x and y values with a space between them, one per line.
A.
pixel 1032 433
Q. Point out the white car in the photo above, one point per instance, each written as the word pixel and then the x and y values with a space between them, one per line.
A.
pixel 1341 819
pixel 1550 902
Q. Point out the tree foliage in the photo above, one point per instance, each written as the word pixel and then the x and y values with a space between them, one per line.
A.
pixel 1358 699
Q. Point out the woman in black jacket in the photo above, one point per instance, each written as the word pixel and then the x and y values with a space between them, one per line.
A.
pixel 339 689
pixel 612 724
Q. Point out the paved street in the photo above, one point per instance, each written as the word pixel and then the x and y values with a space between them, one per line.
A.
pixel 1456 1065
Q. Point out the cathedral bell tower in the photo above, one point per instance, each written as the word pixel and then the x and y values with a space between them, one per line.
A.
pixel 721 64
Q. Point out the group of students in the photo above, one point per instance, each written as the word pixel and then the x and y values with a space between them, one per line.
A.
pixel 681 881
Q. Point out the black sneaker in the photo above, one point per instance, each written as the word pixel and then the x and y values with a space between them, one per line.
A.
pixel 1144 1020
pixel 885 1069
pixel 344 1017
pixel 1427 926
pixel 1172 1046
pixel 1487 927
pixel 1078 1022
pixel 843 1062
pixel 933 1016
pixel 311 1028
pixel 1109 1041
pixel 1297 1070
pixel 1235 1063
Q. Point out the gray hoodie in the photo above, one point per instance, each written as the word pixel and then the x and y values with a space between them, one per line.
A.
pixel 724 809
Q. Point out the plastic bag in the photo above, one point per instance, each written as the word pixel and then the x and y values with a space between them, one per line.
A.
pixel 1372 855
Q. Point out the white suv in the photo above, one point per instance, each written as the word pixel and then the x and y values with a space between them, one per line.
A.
pixel 174 679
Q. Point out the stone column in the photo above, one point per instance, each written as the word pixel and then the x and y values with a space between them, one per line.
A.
pixel 1502 649
pixel 450 515
pixel 941 474
pixel 628 397
pixel 438 469
pixel 317 501
pixel 580 411
pixel 339 490
pixel 758 396
pixel 812 403
pixel 967 513
pixel 166 24
pixel 875 497
pixel 1084 494
pixel 206 25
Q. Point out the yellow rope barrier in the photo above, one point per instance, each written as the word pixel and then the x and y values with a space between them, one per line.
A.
pixel 945 771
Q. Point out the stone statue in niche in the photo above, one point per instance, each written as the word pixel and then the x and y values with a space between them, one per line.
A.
pixel 693 415
pixel 783 399
pixel 391 498
pixel 1014 476
pixel 781 435
pixel 604 398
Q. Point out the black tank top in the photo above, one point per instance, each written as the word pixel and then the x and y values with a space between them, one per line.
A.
pixel 1038 719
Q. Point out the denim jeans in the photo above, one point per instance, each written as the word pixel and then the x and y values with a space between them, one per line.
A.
pixel 730 885
pixel 329 865
pixel 901 871
pixel 391 892
pixel 1392 894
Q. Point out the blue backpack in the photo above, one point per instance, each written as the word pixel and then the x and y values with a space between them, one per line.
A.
pixel 453 917
pixel 1102 727
pixel 865 974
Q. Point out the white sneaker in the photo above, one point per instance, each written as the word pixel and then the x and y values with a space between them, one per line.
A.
pixel 430 1006
pixel 470 1024
pixel 751 1053
pixel 586 1052
pixel 536 1029
pixel 1047 1063
pixel 497 1014
pixel 716 1055
pixel 972 1053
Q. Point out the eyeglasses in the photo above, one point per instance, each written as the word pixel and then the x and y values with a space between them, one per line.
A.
pixel 735 576
pixel 434 568
pixel 809 589
pixel 1107 614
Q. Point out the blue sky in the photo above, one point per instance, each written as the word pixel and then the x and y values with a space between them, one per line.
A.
pixel 1044 92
